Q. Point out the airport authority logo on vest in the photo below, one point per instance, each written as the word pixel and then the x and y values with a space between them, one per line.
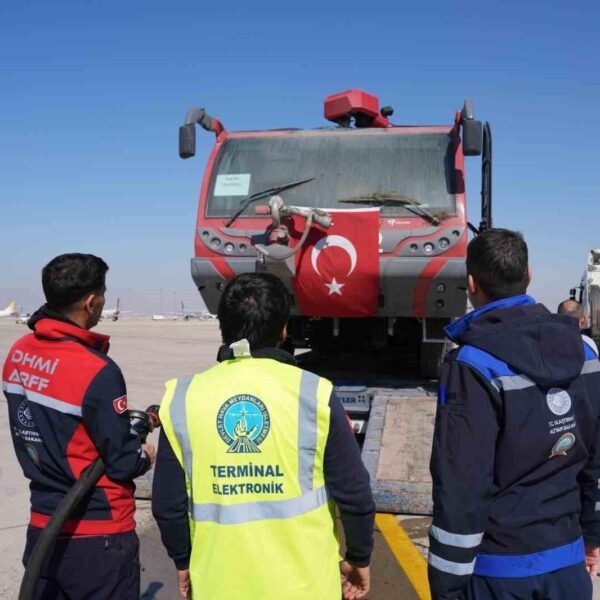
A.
pixel 243 423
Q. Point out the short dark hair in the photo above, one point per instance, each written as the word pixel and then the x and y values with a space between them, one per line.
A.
pixel 254 306
pixel 498 260
pixel 69 277
pixel 570 307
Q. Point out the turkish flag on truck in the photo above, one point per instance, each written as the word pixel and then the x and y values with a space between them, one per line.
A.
pixel 337 269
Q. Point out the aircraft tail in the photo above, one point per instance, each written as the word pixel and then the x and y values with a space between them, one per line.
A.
pixel 11 309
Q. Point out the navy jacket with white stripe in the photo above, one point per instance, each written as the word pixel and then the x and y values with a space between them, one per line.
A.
pixel 515 460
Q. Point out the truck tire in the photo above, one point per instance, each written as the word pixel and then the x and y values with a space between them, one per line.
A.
pixel 432 354
pixel 430 360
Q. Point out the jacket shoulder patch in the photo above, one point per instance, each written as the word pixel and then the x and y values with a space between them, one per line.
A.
pixel 120 404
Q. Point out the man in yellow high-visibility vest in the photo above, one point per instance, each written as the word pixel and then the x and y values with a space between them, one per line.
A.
pixel 254 454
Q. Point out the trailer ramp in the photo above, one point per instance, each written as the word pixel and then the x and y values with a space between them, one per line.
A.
pixel 397 449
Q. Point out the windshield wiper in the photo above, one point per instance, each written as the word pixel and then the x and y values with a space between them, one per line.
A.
pixel 391 199
pixel 264 194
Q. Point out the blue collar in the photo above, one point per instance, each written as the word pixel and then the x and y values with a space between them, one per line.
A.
pixel 456 329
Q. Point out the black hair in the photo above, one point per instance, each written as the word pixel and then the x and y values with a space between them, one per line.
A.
pixel 67 278
pixel 498 260
pixel 255 306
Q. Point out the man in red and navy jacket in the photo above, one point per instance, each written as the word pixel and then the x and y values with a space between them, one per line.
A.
pixel 67 406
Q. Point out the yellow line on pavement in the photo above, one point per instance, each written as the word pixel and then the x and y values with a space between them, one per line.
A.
pixel 408 557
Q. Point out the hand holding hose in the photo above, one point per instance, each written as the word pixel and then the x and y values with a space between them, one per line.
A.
pixel 142 423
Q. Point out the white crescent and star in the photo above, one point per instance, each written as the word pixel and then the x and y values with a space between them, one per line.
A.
pixel 334 241
pixel 335 287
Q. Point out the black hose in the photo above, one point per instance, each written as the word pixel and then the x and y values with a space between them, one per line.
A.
pixel 51 532
pixel 142 423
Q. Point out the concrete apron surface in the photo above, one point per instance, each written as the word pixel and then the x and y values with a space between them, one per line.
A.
pixel 149 353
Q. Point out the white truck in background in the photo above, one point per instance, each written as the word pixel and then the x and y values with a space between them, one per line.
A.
pixel 589 295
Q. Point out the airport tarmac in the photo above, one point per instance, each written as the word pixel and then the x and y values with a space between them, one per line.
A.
pixel 150 352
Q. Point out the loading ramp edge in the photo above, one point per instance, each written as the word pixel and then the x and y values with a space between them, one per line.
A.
pixel 393 494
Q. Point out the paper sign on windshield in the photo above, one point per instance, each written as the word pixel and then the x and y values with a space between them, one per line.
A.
pixel 232 185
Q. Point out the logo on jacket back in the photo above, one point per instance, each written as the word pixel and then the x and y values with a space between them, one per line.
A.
pixel 559 401
pixel 25 415
pixel 243 423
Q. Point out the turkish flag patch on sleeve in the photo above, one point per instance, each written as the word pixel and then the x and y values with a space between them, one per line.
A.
pixel 120 404
pixel 337 269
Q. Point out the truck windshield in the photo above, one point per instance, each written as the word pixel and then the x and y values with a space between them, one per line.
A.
pixel 348 165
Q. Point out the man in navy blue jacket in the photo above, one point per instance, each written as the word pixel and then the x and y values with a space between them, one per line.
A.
pixel 515 461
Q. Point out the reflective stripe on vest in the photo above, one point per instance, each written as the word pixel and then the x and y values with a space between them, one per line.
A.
pixel 256 511
pixel 178 414
pixel 307 429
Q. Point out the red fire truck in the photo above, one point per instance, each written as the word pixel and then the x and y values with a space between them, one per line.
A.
pixel 276 200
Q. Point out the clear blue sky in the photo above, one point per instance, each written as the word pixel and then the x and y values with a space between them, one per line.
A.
pixel 93 93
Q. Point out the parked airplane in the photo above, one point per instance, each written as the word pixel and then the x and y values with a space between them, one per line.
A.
pixel 184 314
pixel 113 313
pixel 10 310
pixel 22 317
pixel 192 314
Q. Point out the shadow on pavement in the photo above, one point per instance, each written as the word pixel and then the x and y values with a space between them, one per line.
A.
pixel 151 590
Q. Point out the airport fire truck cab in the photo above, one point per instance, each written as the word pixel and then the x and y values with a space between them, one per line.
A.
pixel 258 185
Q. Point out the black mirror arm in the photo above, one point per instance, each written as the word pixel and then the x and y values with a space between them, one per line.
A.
pixel 206 121
pixel 473 229
pixel 486 179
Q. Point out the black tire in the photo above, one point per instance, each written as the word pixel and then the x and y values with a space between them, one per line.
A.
pixel 432 354
pixel 430 360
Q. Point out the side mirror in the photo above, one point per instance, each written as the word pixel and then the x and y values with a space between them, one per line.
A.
pixel 187 140
pixel 472 137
